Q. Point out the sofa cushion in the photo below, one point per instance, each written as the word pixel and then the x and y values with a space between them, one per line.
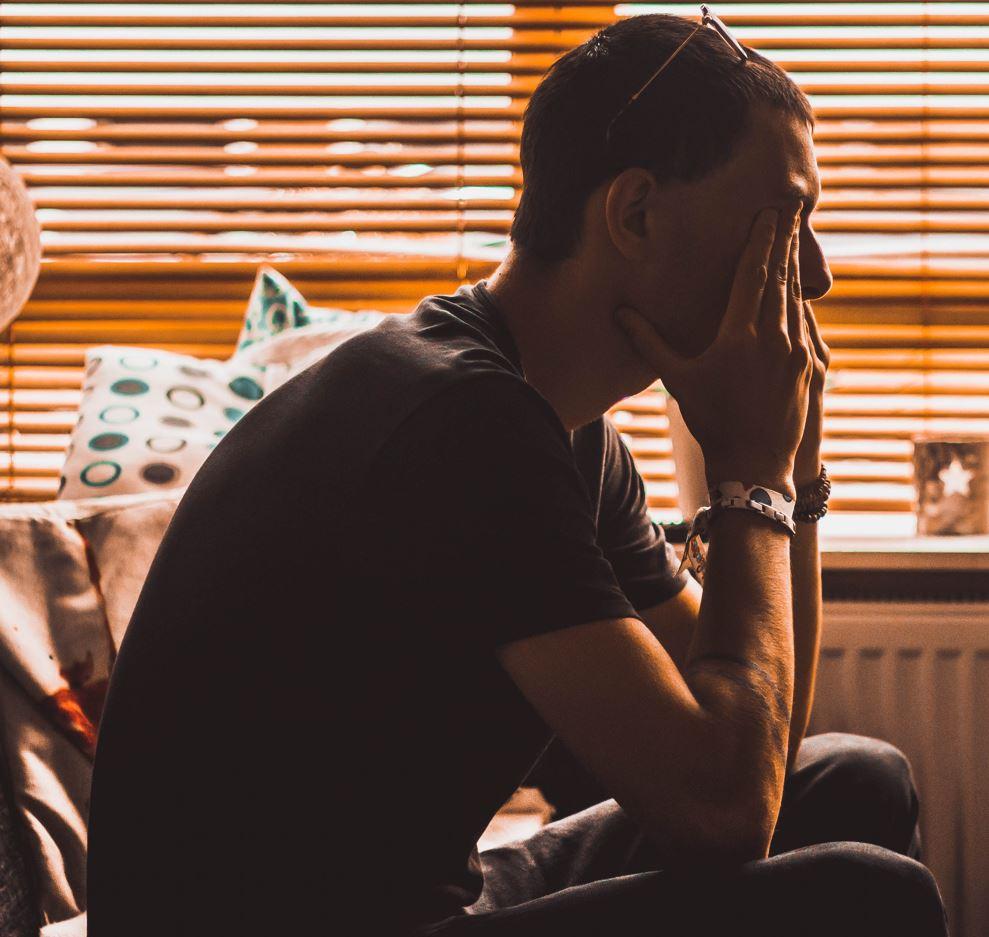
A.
pixel 70 574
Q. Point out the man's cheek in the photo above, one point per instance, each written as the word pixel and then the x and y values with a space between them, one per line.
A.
pixel 705 310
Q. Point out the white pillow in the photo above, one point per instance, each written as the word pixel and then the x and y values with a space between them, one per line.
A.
pixel 290 352
pixel 148 419
pixel 277 311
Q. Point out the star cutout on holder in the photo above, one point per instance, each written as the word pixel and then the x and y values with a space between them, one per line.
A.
pixel 955 478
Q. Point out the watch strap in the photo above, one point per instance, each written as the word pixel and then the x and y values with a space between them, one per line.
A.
pixel 733 495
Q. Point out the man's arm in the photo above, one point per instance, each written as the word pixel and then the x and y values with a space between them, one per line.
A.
pixel 675 620
pixel 805 554
pixel 674 623
pixel 805 567
pixel 697 758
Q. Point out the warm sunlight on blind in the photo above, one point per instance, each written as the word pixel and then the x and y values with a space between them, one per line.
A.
pixel 369 151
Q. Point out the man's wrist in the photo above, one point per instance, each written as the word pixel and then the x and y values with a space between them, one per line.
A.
pixel 774 478
pixel 738 519
pixel 807 473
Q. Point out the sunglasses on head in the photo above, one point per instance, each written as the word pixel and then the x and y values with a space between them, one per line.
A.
pixel 708 21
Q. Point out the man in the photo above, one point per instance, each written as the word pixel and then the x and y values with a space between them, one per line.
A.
pixel 412 565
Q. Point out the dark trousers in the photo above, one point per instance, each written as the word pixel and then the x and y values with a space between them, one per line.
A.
pixel 844 862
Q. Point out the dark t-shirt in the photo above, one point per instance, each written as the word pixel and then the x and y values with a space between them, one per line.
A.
pixel 307 717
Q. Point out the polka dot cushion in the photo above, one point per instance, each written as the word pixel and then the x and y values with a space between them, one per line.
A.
pixel 148 419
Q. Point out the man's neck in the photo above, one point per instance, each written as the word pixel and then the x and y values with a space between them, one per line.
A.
pixel 572 351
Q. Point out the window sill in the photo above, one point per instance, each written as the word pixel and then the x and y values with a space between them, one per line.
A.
pixel 907 553
pixel 903 569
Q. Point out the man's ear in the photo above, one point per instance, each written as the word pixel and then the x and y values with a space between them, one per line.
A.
pixel 629 207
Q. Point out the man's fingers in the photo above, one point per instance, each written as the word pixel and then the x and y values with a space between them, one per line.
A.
pixel 752 272
pixel 649 343
pixel 774 299
pixel 821 349
pixel 795 326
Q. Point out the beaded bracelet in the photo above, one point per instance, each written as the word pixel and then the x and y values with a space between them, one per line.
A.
pixel 812 499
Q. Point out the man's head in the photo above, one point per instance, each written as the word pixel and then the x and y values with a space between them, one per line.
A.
pixel 663 208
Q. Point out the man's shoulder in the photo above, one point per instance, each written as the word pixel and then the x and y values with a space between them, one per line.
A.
pixel 444 333
pixel 484 409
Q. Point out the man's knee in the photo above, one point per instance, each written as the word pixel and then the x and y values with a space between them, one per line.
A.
pixel 872 760
pixel 867 786
pixel 877 891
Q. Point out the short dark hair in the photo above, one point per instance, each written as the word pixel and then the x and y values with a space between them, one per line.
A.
pixel 683 127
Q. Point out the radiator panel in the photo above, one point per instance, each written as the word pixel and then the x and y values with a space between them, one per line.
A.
pixel 917 675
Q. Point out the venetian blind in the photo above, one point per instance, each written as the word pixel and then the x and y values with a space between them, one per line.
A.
pixel 369 151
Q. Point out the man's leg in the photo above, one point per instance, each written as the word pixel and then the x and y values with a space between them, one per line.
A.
pixel 848 788
pixel 598 843
pixel 844 788
pixel 851 889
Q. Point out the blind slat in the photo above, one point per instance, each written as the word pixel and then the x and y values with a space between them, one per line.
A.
pixel 477 131
pixel 527 40
pixel 520 63
pixel 478 216
pixel 889 159
pixel 511 85
pixel 434 200
pixel 866 177
pixel 562 16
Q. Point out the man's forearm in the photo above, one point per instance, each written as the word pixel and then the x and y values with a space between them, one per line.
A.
pixel 805 572
pixel 675 627
pixel 740 663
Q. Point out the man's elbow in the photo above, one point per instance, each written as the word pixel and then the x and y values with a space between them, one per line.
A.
pixel 747 834
pixel 730 834
pixel 723 820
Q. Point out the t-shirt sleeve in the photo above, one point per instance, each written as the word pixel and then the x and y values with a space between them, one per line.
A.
pixel 643 562
pixel 491 530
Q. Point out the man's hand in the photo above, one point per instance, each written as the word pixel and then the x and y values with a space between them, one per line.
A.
pixel 807 462
pixel 745 398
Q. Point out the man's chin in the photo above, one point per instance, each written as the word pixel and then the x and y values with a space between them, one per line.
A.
pixel 637 378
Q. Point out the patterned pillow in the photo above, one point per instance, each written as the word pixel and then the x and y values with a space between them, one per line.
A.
pixel 148 419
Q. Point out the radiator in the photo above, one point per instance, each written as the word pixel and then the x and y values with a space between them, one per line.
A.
pixel 917 674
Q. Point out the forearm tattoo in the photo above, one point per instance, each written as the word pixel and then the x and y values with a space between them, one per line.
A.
pixel 755 681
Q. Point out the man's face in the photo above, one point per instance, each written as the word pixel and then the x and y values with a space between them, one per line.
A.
pixel 705 225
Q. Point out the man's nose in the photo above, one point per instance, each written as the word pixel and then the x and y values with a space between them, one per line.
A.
pixel 815 274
